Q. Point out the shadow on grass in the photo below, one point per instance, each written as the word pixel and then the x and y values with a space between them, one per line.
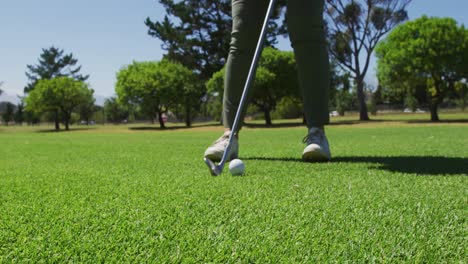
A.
pixel 175 127
pixel 451 121
pixel 65 131
pixel 300 124
pixel 357 122
pixel 405 164
pixel 276 125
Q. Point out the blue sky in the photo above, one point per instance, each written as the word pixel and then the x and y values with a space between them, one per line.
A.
pixel 105 35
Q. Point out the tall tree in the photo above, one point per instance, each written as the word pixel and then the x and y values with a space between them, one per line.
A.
pixel 60 94
pixel 19 115
pixel 196 33
pixel 53 63
pixel 9 112
pixel 114 111
pixel 276 78
pixel 155 86
pixel 354 29
pixel 87 110
pixel 428 52
pixel 1 91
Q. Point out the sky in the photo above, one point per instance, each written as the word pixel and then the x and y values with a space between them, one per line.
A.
pixel 105 35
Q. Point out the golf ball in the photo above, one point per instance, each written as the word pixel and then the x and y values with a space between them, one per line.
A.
pixel 236 167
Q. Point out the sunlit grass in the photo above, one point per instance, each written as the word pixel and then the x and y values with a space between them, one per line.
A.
pixel 394 193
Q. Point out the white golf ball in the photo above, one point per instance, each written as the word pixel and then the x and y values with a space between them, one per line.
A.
pixel 236 167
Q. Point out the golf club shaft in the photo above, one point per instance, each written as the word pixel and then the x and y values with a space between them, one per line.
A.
pixel 250 77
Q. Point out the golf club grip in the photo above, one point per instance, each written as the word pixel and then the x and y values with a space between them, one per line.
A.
pixel 250 76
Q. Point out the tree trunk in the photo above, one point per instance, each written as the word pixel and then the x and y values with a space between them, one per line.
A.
pixel 56 120
pixel 188 116
pixel 161 121
pixel 266 111
pixel 67 121
pixel 363 116
pixel 434 115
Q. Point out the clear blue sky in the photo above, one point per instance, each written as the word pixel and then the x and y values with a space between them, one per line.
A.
pixel 105 35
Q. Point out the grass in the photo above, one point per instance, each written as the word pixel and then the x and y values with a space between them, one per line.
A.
pixel 396 192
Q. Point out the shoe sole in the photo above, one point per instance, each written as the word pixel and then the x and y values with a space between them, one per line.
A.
pixel 315 156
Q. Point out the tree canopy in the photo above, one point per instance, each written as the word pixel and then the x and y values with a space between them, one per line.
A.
pixel 53 63
pixel 155 86
pixel 115 112
pixel 427 52
pixel 197 33
pixel 276 77
pixel 60 94
pixel 9 112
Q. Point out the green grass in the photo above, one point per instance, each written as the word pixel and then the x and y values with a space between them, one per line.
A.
pixel 395 192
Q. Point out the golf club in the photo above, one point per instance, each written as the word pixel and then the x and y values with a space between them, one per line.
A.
pixel 218 169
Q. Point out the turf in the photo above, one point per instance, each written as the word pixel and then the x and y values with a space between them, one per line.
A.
pixel 394 193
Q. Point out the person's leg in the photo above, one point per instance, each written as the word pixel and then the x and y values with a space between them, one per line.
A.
pixel 247 16
pixel 306 31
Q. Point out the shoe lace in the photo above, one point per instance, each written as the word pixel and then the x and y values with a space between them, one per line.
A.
pixel 313 137
pixel 223 139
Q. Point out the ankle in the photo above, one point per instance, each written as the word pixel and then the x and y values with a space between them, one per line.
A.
pixel 315 128
pixel 227 132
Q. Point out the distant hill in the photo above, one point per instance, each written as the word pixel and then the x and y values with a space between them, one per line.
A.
pixel 8 97
pixel 3 106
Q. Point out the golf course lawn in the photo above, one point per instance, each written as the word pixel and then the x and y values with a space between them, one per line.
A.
pixel 395 192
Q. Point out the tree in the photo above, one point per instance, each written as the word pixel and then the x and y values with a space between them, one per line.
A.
pixel 1 91
pixel 200 39
pixel 19 115
pixel 53 63
pixel 60 94
pixel 427 52
pixel 87 110
pixel 197 33
pixel 276 77
pixel 462 91
pixel 214 98
pixel 185 85
pixel 155 86
pixel 342 95
pixel 114 111
pixel 354 29
pixel 9 112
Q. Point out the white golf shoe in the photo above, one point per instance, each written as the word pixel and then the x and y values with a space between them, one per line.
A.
pixel 216 150
pixel 317 148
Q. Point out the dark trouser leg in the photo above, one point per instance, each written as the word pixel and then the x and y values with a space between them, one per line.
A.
pixel 306 31
pixel 248 16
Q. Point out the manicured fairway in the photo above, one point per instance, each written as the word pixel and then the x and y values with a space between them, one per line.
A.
pixel 394 192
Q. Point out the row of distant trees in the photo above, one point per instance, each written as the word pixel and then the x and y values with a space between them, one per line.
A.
pixel 420 63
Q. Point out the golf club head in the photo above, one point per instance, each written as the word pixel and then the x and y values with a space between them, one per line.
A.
pixel 214 170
